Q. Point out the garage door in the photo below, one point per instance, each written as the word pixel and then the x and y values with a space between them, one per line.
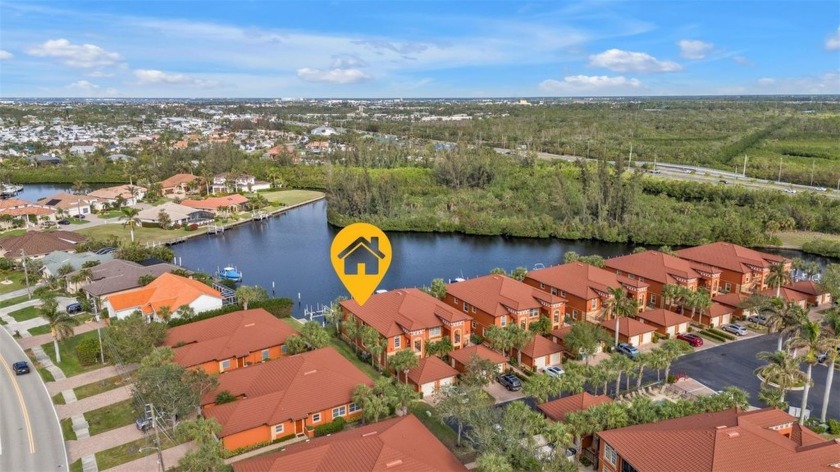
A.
pixel 539 362
pixel 726 318
pixel 646 338
pixel 428 389
pixel 634 340
pixel 556 358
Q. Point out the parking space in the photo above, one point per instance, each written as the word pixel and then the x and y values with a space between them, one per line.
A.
pixel 501 394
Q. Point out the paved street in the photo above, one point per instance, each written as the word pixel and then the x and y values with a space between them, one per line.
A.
pixel 30 436
pixel 733 364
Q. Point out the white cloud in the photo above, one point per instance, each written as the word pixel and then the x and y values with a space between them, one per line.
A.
pixel 83 85
pixel 743 60
pixel 75 55
pixel 629 61
pixel 100 73
pixel 694 49
pixel 826 83
pixel 832 42
pixel 152 76
pixel 590 84
pixel 84 88
pixel 5 55
pixel 766 81
pixel 332 76
pixel 346 61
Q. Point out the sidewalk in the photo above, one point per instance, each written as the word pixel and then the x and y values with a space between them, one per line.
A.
pixel 171 457
pixel 101 442
pixel 18 293
pixel 89 377
pixel 92 403
pixel 263 450
pixel 33 341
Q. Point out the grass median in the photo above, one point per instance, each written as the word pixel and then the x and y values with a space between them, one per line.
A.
pixel 111 417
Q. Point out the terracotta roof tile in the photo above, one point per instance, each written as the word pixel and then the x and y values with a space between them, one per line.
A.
pixel 66 201
pixel 464 355
pixel 284 389
pixel 407 308
pixel 559 408
pixel 628 327
pixel 492 293
pixel 214 203
pixel 168 290
pixel 786 293
pixel 655 266
pixel 124 191
pixel 662 317
pixel 807 287
pixel 733 299
pixel 718 309
pixel 235 334
pixel 430 369
pixel 541 346
pixel 41 242
pixel 399 444
pixel 177 179
pixel 729 256
pixel 581 280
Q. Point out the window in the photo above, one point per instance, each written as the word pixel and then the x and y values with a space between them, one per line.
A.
pixel 473 309
pixel 265 354
pixel 610 455
pixel 316 417
pixel 594 303
pixel 727 287
pixel 556 316
pixel 278 429
pixel 652 299
pixel 455 300
pixel 630 276
pixel 283 349
pixel 396 342
pixel 224 365
pixel 553 291
pixel 523 324
pixel 418 345
pixel 641 279
pixel 466 307
pixel 534 312
pixel 457 337
pixel 542 285
pixel 503 321
pixel 340 411
pixel 433 332
pixel 626 467
pixel 354 408
pixel 747 277
pixel 562 293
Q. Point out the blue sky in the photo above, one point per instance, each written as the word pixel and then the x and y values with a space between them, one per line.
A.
pixel 192 48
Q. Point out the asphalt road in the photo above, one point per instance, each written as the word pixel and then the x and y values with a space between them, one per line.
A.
pixel 734 363
pixel 30 436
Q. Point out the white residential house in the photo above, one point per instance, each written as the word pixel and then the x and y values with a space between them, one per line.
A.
pixel 131 195
pixel 72 205
pixel 237 183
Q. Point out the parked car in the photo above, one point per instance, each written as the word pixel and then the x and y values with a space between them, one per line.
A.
pixel 758 319
pixel 49 224
pixel 74 308
pixel 692 339
pixel 822 357
pixel 143 424
pixel 790 191
pixel 510 382
pixel 554 371
pixel 21 367
pixel 64 222
pixel 628 350
pixel 735 328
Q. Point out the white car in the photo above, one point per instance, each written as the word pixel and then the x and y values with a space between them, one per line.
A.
pixel 790 191
pixel 554 371
pixel 736 329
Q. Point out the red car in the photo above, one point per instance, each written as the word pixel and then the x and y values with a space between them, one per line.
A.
pixel 692 339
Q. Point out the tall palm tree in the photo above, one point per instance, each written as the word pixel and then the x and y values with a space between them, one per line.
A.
pixel 620 305
pixel 671 350
pixel 778 276
pixel 700 300
pixel 782 370
pixel 641 361
pixel 129 218
pixel 670 292
pixel 810 338
pixel 832 330
pixel 783 317
pixel 61 324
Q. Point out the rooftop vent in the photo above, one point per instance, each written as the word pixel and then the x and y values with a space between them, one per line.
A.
pixel 393 463
pixel 250 324
pixel 310 372
pixel 372 433
pixel 733 434
pixel 720 427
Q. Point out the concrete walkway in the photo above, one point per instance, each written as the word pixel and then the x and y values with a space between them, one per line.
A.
pixel 95 402
pixel 89 377
pixel 32 341
pixel 171 457
pixel 89 464
pixel 18 293
pixel 263 450
pixel 45 361
pixel 103 441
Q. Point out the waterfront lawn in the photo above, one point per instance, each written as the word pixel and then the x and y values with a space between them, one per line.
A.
pixel 141 235
pixel 17 279
pixel 67 429
pixel 134 450
pixel 101 386
pixel 25 313
pixel 290 197
pixel 70 364
pixel 111 417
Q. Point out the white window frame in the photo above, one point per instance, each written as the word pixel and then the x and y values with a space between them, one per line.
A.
pixel 554 290
pixel 222 366
pixel 434 332
pixel 316 417
pixel 281 429
pixel 266 354
pixel 341 410
pixel 397 342
pixel 727 287
pixel 466 307
pixel 542 285
pixel 610 454
pixel 353 408
pixel 503 321
pixel 594 303
pixel 653 299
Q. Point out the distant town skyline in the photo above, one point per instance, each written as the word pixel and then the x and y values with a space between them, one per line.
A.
pixel 359 49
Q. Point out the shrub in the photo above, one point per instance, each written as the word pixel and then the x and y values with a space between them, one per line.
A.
pixel 177 226
pixel 88 351
pixel 5 264
pixel 335 426
pixel 671 378
pixel 224 397
pixel 279 307
pixel 192 227
pixel 815 425
pixel 89 264
pixel 722 334
pixel 833 426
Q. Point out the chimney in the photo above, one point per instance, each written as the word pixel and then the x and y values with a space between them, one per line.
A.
pixel 374 243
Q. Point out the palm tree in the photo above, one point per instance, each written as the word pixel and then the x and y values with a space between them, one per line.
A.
pixel 673 349
pixel 600 375
pixel 520 338
pixel 811 338
pixel 670 293
pixel 832 325
pixel 657 360
pixel 782 370
pixel 129 217
pixel 620 305
pixel 778 276
pixel 641 361
pixel 699 300
pixel 620 364
pixel 403 361
pixel 783 317
pixel 61 324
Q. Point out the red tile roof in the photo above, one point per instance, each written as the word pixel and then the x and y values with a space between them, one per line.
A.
pixel 558 409
pixel 662 317
pixel 41 242
pixel 628 327
pixel 656 266
pixel 718 309
pixel 807 287
pixel 169 290
pixel 177 179
pixel 733 299
pixel 786 293
pixel 464 355
pixel 235 334
pixel 398 444
pixel 214 203
pixel 730 440
pixel 729 256
pixel 540 347
pixel 582 280
pixel 430 369
pixel 30 210
pixel 284 389
pixel 409 308
pixel 493 293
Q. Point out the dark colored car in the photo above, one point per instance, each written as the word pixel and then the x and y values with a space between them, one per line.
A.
pixel 64 222
pixel 21 367
pixel 510 382
pixel 74 308
pixel 143 423
pixel 692 339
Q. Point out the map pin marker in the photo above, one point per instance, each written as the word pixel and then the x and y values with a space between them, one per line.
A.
pixel 361 255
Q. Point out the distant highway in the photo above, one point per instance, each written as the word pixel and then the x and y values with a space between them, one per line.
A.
pixel 30 436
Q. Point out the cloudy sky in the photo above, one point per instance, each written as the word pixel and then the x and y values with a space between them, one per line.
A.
pixel 432 48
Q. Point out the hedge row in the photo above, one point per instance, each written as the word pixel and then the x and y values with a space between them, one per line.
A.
pixel 279 307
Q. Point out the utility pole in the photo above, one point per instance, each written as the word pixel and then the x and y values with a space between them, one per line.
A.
pixel 155 426
pixel 745 165
pixel 780 170
pixel 630 161
pixel 812 172
pixel 25 273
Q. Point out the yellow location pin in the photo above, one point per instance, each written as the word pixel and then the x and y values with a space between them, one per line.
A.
pixel 361 254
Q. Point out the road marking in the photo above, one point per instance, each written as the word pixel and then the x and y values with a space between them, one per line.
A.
pixel 22 405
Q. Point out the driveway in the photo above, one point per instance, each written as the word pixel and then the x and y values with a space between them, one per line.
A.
pixel 501 394
pixel 733 363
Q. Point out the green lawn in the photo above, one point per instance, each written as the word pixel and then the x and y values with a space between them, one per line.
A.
pixel 76 221
pixel 111 417
pixel 795 239
pixel 290 197
pixel 58 399
pixel 25 313
pixel 13 232
pixel 345 351
pixel 69 362
pixel 67 429
pixel 77 466
pixel 14 301
pixel 110 214
pixel 429 417
pixel 104 385
pixel 38 330
pixel 46 375
pixel 134 450
pixel 17 279
pixel 141 235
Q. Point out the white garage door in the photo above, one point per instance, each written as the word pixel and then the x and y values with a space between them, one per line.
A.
pixel 539 362
pixel 634 340
pixel 726 318
pixel 428 389
pixel 556 358
pixel 647 338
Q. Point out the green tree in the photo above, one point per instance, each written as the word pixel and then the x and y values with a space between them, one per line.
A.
pixel 403 361
pixel 619 304
pixel 250 293
pixel 641 361
pixel 809 268
pixel 519 273
pixel 832 331
pixel 461 403
pixel 373 405
pixel 541 387
pixel 493 462
pixel 585 339
pixel 519 338
pixel 497 271
pixel 499 338
pixel 352 329
pixel 619 364
pixel 440 348
pixel 129 219
pixel 771 396
pixel 61 324
pixel 315 335
pixel 830 280
pixel 781 370
pixel 164 220
pixel 145 279
pixel 334 314
pixel 295 344
pixel 128 340
pixel 700 300
pixel 778 276
pixel 541 326
pixel 671 350
pixel 479 372
pixel 185 312
pixel 209 456
pixel 810 338
pixel 437 289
